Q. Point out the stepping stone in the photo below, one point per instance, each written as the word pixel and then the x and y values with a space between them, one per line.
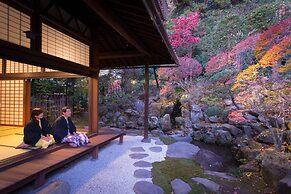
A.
pixel 180 187
pixel 182 150
pixel 144 187
pixel 212 186
pixel 142 173
pixel 142 164
pixel 137 149
pixel 156 149
pixel 159 142
pixel 220 175
pixel 138 156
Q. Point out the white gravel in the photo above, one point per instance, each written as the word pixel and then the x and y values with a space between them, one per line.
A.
pixel 111 173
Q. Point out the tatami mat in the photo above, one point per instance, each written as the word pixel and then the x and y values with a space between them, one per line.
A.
pixel 6 152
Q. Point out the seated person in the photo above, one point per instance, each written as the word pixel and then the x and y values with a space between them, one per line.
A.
pixel 64 130
pixel 37 130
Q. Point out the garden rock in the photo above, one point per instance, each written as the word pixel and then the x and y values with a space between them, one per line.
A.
pixel 251 166
pixel 273 169
pixel 195 108
pixel 142 173
pixel 197 135
pixel 209 160
pixel 213 119
pixel 227 102
pixel 57 187
pixel 212 186
pixel 209 137
pixel 138 156
pixel 180 187
pixel 142 164
pixel 139 105
pixel 166 123
pixel 157 132
pixel 185 113
pixel 220 175
pixel 223 137
pixel 153 122
pixel 284 185
pixel 182 150
pixel 247 130
pixel 265 137
pixel 232 129
pixel 121 122
pixel 144 187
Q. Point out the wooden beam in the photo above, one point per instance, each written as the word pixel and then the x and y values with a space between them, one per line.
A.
pixel 37 75
pixel 146 104
pixel 119 54
pixel 107 15
pixel 21 54
pixel 26 101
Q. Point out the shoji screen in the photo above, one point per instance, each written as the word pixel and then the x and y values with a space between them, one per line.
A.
pixel 16 67
pixel 13 23
pixel 61 45
pixel 11 102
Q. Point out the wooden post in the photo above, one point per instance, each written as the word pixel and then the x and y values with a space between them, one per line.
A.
pixel 26 101
pixel 93 105
pixel 94 86
pixel 146 104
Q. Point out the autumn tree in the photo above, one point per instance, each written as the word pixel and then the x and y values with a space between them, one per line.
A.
pixel 181 76
pixel 182 32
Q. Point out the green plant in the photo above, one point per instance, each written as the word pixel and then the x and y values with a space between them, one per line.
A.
pixel 213 110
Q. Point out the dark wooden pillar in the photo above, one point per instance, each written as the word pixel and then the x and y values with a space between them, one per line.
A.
pixel 26 101
pixel 146 104
pixel 94 86
pixel 93 105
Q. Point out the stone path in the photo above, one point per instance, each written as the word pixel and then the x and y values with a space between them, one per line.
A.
pixel 144 168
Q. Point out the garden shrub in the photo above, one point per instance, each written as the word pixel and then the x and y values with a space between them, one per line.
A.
pixel 214 110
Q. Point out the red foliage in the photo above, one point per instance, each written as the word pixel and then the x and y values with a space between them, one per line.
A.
pixel 180 76
pixel 182 30
pixel 233 56
pixel 188 67
pixel 237 116
pixel 272 36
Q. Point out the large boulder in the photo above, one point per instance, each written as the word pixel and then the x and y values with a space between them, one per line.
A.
pixel 274 167
pixel 166 123
pixel 182 150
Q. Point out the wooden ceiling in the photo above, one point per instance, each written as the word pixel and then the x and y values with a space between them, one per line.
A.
pixel 123 33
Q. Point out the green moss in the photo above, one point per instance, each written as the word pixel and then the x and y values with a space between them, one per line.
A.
pixel 167 140
pixel 171 168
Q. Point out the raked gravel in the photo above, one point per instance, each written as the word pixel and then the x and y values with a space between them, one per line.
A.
pixel 111 173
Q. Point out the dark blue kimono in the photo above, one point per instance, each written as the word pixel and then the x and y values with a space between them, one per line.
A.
pixel 33 132
pixel 61 128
